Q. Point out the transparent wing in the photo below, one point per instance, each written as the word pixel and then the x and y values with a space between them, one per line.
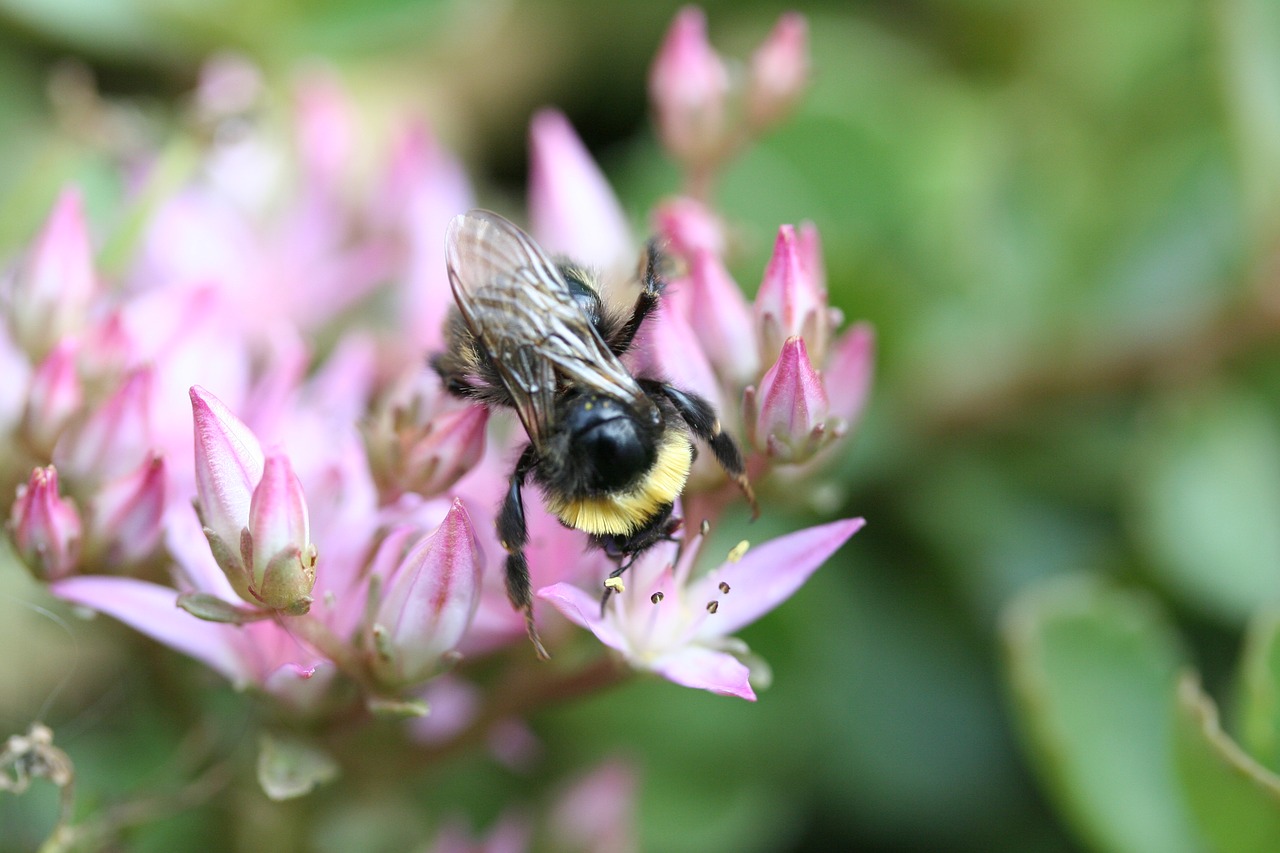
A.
pixel 520 310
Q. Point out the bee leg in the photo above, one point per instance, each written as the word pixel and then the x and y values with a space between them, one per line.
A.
pixel 701 418
pixel 653 283
pixel 514 535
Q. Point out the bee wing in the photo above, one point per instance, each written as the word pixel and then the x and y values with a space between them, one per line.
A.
pixel 519 308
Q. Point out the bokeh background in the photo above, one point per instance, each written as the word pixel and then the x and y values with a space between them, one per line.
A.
pixel 1061 219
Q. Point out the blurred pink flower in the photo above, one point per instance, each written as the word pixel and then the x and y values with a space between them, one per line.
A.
pixel 678 626
pixel 45 527
pixel 597 813
pixel 572 209
pixel 126 517
pixel 689 88
pixel 51 291
pixel 55 396
pixel 779 71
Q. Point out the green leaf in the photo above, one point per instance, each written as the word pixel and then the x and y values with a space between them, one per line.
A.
pixel 1093 671
pixel 1207 499
pixel 213 609
pixel 1235 800
pixel 1260 689
pixel 289 767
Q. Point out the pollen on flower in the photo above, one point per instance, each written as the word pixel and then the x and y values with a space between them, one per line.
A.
pixel 615 584
pixel 656 597
pixel 737 552
pixel 713 606
pixel 724 587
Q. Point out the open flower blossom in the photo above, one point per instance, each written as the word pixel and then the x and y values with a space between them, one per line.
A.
pixel 678 625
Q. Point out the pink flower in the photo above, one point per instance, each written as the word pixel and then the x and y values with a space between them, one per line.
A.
pixel 678 626
pixel 792 299
pixel 779 72
pixel 689 227
pixel 115 438
pixel 689 88
pixel 51 291
pixel 262 654
pixel 428 601
pixel 45 527
pixel 849 372
pixel 421 441
pixel 277 544
pixel 597 814
pixel 126 517
pixel 56 394
pixel 724 329
pixel 253 511
pixel 572 209
pixel 787 418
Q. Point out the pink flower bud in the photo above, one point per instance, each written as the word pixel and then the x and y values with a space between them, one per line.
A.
pixel 792 300
pixel 428 603
pixel 115 438
pixel 572 208
pixel 787 417
pixel 688 87
pixel 229 465
pixel 54 396
pixel 848 374
pixel 723 319
pixel 448 447
pixel 44 527
pixel 125 517
pixel 53 287
pixel 779 72
pixel 278 543
pixel 689 227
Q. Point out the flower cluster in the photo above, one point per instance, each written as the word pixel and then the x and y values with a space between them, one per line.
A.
pixel 282 314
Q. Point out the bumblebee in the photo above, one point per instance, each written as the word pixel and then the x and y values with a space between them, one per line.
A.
pixel 609 451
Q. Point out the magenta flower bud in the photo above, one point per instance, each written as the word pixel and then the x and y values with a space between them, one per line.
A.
pixel 428 603
pixel 572 209
pixel 779 72
pixel 45 528
pixel 688 88
pixel 53 287
pixel 126 515
pixel 848 374
pixel 229 465
pixel 114 439
pixel 55 394
pixel 689 227
pixel 787 417
pixel 792 300
pixel 277 544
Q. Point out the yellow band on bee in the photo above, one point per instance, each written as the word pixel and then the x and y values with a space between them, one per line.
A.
pixel 626 512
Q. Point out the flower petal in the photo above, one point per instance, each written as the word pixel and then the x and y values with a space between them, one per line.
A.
pixel 152 609
pixel 705 669
pixel 572 208
pixel 767 576
pixel 583 610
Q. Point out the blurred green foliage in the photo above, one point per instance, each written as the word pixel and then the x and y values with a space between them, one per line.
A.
pixel 1062 220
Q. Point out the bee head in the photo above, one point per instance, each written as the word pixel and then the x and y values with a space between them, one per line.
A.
pixel 609 446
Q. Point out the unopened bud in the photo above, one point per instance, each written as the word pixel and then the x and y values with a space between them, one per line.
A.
pixel 45 527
